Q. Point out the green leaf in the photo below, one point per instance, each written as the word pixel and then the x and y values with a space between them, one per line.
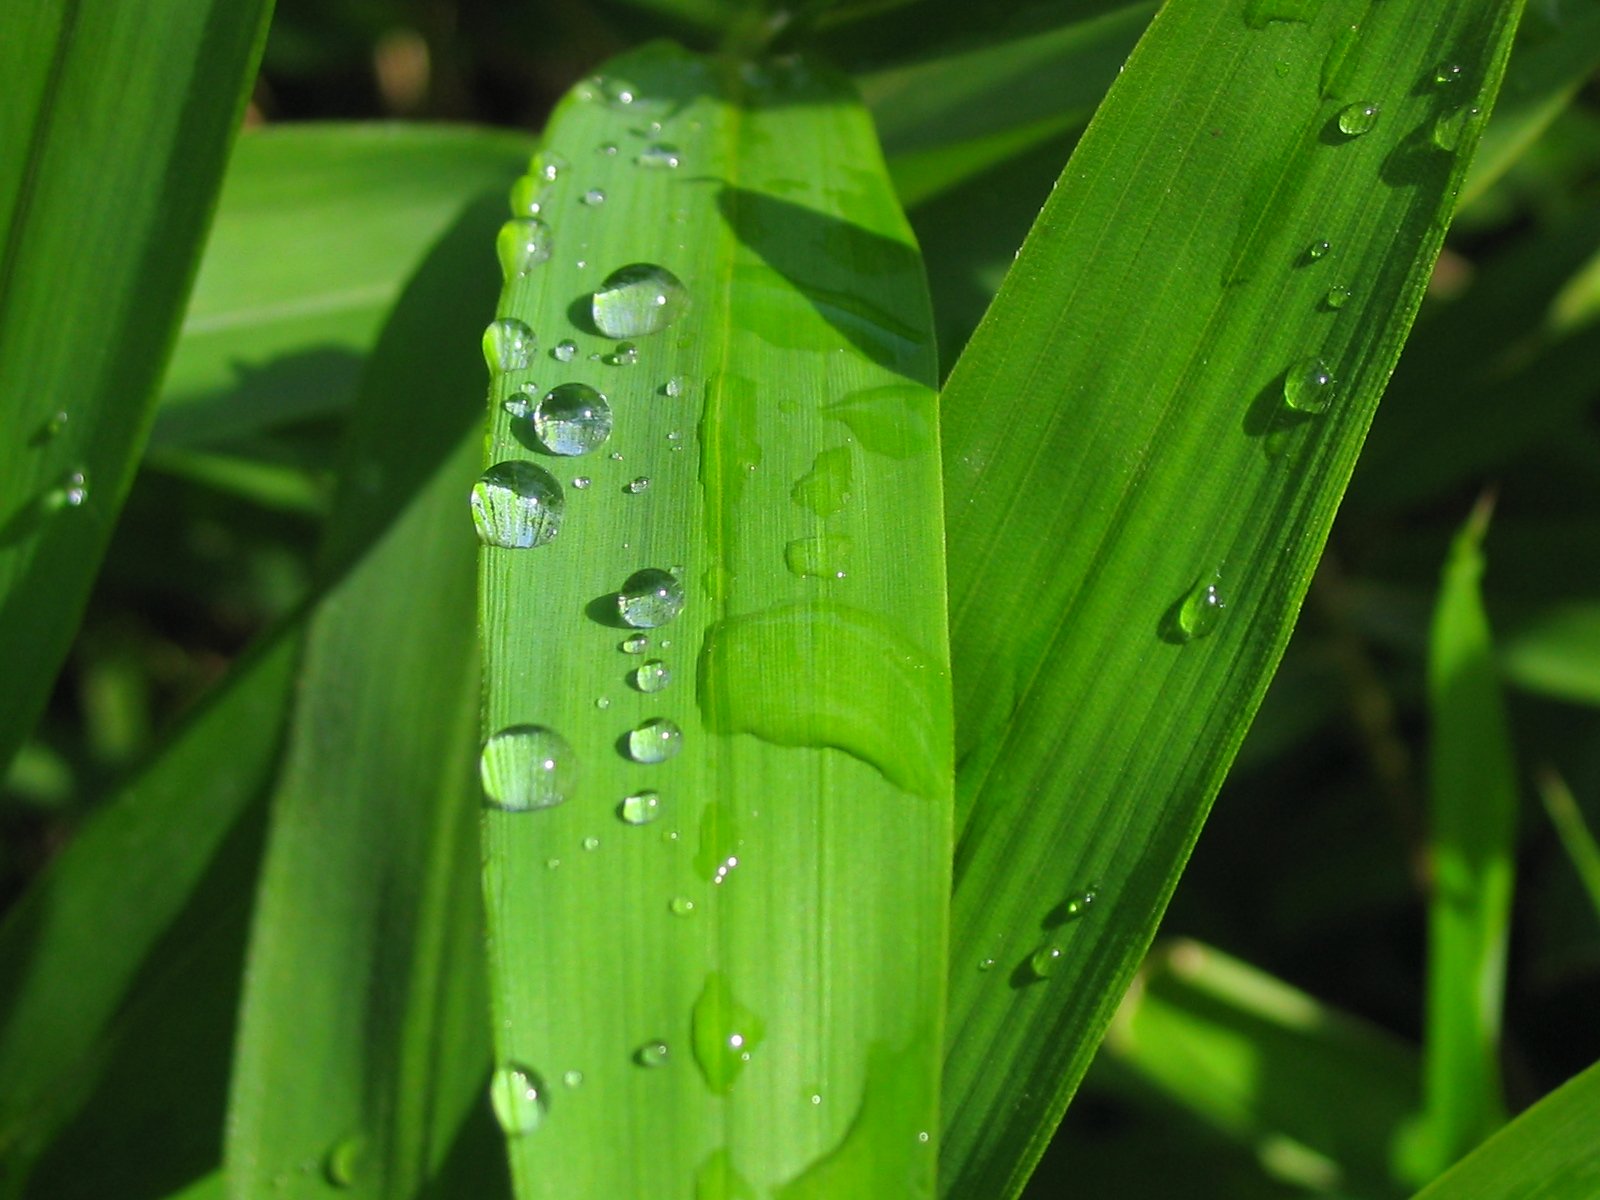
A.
pixel 362 1042
pixel 99 235
pixel 274 335
pixel 1550 1152
pixel 1134 424
pixel 791 892
pixel 1578 842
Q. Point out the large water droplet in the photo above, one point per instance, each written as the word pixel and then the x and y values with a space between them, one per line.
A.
pixel 640 808
pixel 638 299
pixel 1045 960
pixel 1358 118
pixel 654 1053
pixel 1308 386
pixel 522 244
pixel 572 419
pixel 517 505
pixel 658 156
pixel 652 676
pixel 724 1034
pixel 1199 611
pixel 518 1097
pixel 525 767
pixel 655 741
pixel 650 598
pixel 508 345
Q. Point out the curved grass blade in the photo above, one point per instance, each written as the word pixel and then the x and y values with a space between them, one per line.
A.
pixel 1145 442
pixel 99 236
pixel 1579 843
pixel 1550 1152
pixel 362 1046
pixel 271 337
pixel 722 965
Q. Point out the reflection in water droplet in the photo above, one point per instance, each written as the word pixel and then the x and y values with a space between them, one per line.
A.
pixel 673 387
pixel 1045 960
pixel 652 676
pixel 1308 386
pixel 653 1054
pixel 347 1161
pixel 1200 610
pixel 521 245
pixel 637 644
pixel 724 1034
pixel 581 482
pixel 572 419
pixel 1356 119
pixel 640 808
pixel 517 1095
pixel 1338 296
pixel 525 767
pixel 638 484
pixel 638 299
pixel 508 345
pixel 594 197
pixel 1318 249
pixel 658 156
pixel 564 351
pixel 655 741
pixel 650 598
pixel 516 505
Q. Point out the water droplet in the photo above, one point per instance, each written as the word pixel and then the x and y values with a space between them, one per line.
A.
pixel 725 868
pixel 347 1161
pixel 638 299
pixel 637 485
pixel 71 492
pixel 508 345
pixel 564 351
pixel 987 964
pixel 1045 960
pixel 650 598
pixel 525 767
pixel 573 1079
pixel 1450 127
pixel 581 482
pixel 516 505
pixel 640 808
pixel 673 387
pixel 609 149
pixel 528 196
pixel 50 429
pixel 652 676
pixel 517 1095
pixel 1338 296
pixel 522 244
pixel 551 864
pixel 618 92
pixel 1446 74
pixel 594 197
pixel 1308 386
pixel 1072 909
pixel 1318 249
pixel 547 165
pixel 652 1054
pixel 1356 119
pixel 655 741
pixel 602 703
pixel 681 906
pixel 625 355
pixel 724 1034
pixel 637 644
pixel 827 487
pixel 591 843
pixel 1200 610
pixel 825 557
pixel 572 419
pixel 658 156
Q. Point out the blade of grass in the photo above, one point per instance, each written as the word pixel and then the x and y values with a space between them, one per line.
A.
pixel 750 987
pixel 1555 651
pixel 99 236
pixel 1248 1053
pixel 1550 1152
pixel 271 337
pixel 362 1043
pixel 1118 443
pixel 1576 839
pixel 1472 842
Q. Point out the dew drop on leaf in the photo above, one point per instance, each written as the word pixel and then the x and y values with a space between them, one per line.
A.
pixel 508 345
pixel 652 676
pixel 525 767
pixel 564 351
pixel 347 1160
pixel 640 808
pixel 572 419
pixel 522 244
pixel 650 598
pixel 654 1053
pixel 1308 386
pixel 637 644
pixel 724 1034
pixel 638 299
pixel 655 741
pixel 1045 960
pixel 1199 611
pixel 1318 249
pixel 1358 118
pixel 594 197
pixel 517 505
pixel 1338 296
pixel 517 1095
pixel 658 156
pixel 527 198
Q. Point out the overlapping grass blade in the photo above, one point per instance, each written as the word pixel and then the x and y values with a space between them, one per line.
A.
pixel 737 974
pixel 362 1042
pixel 101 234
pixel 1550 1152
pixel 1248 1053
pixel 273 336
pixel 1144 445
pixel 1579 843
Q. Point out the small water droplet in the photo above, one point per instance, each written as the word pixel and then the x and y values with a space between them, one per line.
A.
pixel 525 767
pixel 71 492
pixel 517 1095
pixel 609 149
pixel 591 843
pixel 625 355
pixel 652 676
pixel 347 1161
pixel 517 505
pixel 1447 73
pixel 1338 296
pixel 1450 127
pixel 508 345
pixel 581 482
pixel 572 1079
pixel 637 644
pixel 602 702
pixel 673 387
pixel 655 741
pixel 50 429
pixel 550 864
pixel 527 197
pixel 1358 118
pixel 652 1054
pixel 1308 386
pixel 594 197
pixel 681 906
pixel 522 244
pixel 638 299
pixel 640 808
pixel 658 156
pixel 650 598
pixel 1045 960
pixel 1318 249
pixel 572 419
pixel 725 868
pixel 564 351
pixel 618 92
pixel 547 165
pixel 1200 610
pixel 986 964
pixel 640 484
